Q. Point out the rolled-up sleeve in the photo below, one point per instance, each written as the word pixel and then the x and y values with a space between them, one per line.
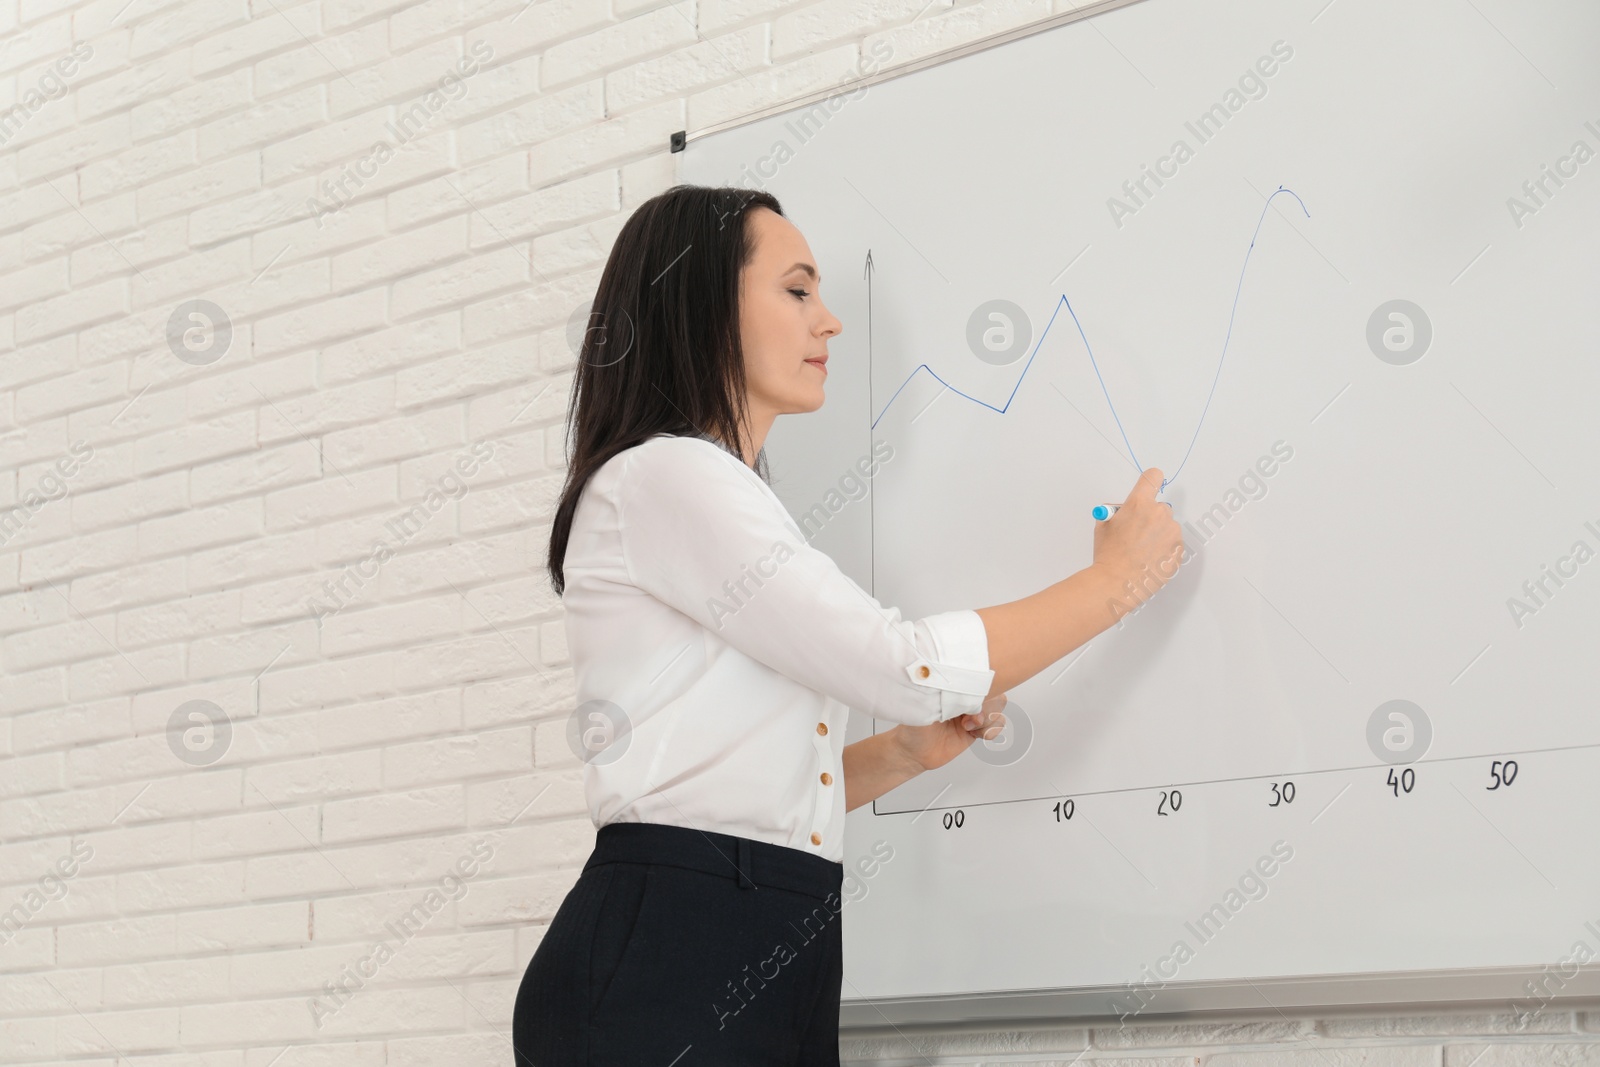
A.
pixel 701 535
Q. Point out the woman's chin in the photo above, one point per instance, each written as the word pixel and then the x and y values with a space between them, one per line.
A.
pixel 804 400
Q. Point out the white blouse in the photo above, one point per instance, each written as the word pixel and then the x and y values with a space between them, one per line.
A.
pixel 717 654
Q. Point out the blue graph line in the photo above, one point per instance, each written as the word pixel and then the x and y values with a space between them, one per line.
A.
pixel 1064 302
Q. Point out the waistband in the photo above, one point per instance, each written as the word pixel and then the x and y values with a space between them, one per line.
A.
pixel 751 863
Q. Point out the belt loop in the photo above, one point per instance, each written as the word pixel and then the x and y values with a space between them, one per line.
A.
pixel 744 865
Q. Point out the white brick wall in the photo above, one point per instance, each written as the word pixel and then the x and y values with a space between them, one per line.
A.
pixel 423 715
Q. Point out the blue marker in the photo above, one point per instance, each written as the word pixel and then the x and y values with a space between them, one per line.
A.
pixel 1104 511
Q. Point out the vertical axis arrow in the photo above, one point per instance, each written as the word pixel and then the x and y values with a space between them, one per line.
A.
pixel 872 490
pixel 872 503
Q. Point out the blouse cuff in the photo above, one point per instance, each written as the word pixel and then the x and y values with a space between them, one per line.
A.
pixel 959 665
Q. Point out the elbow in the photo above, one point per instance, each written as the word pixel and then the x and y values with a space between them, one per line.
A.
pixel 919 706
pixel 942 691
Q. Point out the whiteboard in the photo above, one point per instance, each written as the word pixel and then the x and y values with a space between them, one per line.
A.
pixel 1334 762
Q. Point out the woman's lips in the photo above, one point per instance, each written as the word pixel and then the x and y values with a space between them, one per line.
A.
pixel 820 364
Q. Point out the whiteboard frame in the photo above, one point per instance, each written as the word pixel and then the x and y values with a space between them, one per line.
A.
pixel 1486 990
pixel 931 60
pixel 1489 990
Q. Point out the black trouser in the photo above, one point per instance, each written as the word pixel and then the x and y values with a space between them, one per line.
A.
pixel 687 948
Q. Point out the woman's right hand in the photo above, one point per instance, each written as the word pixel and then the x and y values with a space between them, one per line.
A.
pixel 1141 542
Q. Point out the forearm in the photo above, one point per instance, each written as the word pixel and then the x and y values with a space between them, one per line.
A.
pixel 874 766
pixel 1024 636
pixel 1027 635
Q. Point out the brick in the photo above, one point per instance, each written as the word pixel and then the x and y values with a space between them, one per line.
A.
pixel 546 24
pixel 117 940
pixel 71 639
pixel 96 678
pixel 149 80
pixel 328 320
pixel 195 20
pixel 815 26
pixel 1328 1055
pixel 118 847
pixel 780 84
pixel 332 145
pixel 397 346
pixel 248 926
pixel 446 1051
pixel 534 122
pixel 398 1011
pixel 129 501
pixel 547 209
pixel 315 779
pixel 202 885
pixel 74 724
pixel 400 254
pixel 252 560
pixel 618 45
pixel 178 619
pixel 355 678
pixel 402 436
pixel 718 15
pixel 462 374
pixel 336 494
pixel 705 62
pixel 92 551
pixel 291 25
pixel 1139 1034
pixel 301 418
pixel 263 1022
pixel 256 472
pixel 312 55
pixel 53 156
pixel 399 79
pixel 1423 1026
pixel 74 310
pixel 25 775
pixel 266 123
pixel 165 981
pixel 256 832
pixel 203 526
pixel 491 270
pixel 531 899
pixel 417 811
pixel 470 189
pixel 633 134
pixel 139 165
pixel 190 187
pixel 40 994
pixel 459 758
pixel 417 714
pixel 91 224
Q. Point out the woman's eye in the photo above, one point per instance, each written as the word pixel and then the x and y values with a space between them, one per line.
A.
pixel 800 293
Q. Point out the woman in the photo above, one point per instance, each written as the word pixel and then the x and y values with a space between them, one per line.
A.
pixel 717 654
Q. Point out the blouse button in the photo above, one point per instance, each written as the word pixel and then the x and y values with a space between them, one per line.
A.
pixel 822 728
pixel 816 839
pixel 827 779
pixel 923 670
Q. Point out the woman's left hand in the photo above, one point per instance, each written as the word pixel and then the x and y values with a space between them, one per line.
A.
pixel 938 743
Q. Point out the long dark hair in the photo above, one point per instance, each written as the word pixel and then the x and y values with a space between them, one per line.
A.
pixel 661 353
